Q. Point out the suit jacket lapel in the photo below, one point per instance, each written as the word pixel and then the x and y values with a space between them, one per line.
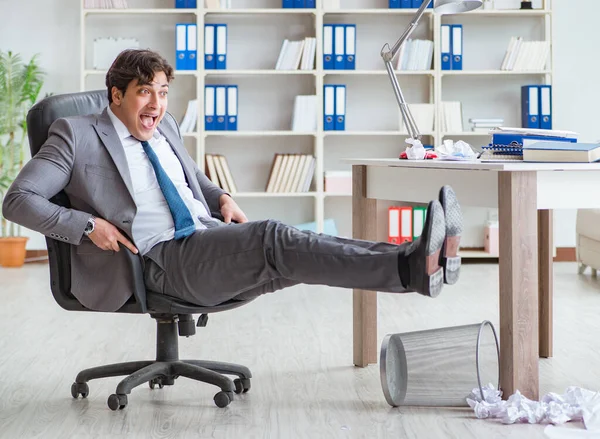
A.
pixel 108 135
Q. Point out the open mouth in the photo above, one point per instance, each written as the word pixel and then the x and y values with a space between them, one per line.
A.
pixel 148 121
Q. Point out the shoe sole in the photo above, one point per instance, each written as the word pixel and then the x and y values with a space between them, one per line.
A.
pixel 449 259
pixel 433 281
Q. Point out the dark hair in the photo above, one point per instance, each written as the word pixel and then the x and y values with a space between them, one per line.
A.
pixel 140 64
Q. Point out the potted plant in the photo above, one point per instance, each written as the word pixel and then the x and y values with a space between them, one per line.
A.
pixel 20 85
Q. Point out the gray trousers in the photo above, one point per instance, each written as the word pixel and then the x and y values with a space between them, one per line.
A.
pixel 244 261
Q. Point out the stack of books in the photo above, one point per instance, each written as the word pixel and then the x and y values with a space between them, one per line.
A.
pixel 508 144
pixel 105 4
pixel 526 55
pixel 415 55
pixel 291 173
pixel 485 125
pixel 219 173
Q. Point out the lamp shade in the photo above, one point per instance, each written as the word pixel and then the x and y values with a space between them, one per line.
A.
pixel 455 6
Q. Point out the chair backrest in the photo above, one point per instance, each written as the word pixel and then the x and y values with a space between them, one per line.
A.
pixel 39 119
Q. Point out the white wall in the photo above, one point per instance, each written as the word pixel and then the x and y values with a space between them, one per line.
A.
pixel 52 29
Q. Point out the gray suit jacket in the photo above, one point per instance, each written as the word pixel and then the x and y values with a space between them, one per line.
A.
pixel 84 156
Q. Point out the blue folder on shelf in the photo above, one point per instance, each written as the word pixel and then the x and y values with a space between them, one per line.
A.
pixel 339 42
pixel 457 46
pixel 530 106
pixel 232 107
pixel 328 40
pixel 221 46
pixel 328 107
pixel 545 107
pixel 209 107
pixel 209 47
pixel 181 46
pixel 350 47
pixel 340 107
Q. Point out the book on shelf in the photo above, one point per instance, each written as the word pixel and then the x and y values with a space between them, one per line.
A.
pixel 217 170
pixel 105 4
pixel 218 4
pixel 297 55
pixel 525 55
pixel 451 117
pixel 305 114
pixel 485 125
pixel 188 123
pixel 424 116
pixel 415 55
pixel 291 173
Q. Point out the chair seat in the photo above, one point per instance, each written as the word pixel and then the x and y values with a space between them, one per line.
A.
pixel 163 303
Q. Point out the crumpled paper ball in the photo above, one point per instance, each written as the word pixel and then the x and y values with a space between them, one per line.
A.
pixel 576 404
pixel 458 150
pixel 416 151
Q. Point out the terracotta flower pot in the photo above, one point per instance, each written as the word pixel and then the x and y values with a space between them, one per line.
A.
pixel 12 251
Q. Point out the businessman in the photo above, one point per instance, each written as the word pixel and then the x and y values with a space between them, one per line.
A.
pixel 133 188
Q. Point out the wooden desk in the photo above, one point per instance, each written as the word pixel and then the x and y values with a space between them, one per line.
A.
pixel 525 195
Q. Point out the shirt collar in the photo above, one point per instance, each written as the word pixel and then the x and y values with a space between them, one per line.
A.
pixel 120 127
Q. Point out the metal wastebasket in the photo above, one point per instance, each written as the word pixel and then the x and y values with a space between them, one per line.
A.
pixel 439 367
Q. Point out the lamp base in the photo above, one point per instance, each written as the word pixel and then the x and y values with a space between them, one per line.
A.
pixel 526 4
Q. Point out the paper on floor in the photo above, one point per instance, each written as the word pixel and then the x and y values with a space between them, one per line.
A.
pixel 576 404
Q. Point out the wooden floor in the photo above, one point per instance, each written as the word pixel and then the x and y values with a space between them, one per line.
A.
pixel 298 344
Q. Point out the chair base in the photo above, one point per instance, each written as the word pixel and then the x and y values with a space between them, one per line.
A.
pixel 164 370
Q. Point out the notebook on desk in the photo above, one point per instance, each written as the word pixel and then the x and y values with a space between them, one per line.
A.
pixel 562 152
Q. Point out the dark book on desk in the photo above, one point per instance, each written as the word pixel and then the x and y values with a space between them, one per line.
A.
pixel 562 152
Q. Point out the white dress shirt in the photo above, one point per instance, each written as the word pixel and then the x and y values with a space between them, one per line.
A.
pixel 153 222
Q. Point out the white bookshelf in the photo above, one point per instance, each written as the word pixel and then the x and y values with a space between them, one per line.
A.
pixel 256 29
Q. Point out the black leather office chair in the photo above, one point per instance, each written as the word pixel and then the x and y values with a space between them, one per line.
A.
pixel 171 314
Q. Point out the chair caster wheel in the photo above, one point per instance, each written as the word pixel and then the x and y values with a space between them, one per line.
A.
pixel 117 402
pixel 155 382
pixel 241 385
pixel 80 389
pixel 222 399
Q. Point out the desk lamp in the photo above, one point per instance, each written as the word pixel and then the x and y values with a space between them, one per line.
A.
pixel 442 7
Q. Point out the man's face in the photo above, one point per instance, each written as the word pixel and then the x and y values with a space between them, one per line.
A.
pixel 142 107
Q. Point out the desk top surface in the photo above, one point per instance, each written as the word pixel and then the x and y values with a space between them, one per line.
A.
pixel 475 165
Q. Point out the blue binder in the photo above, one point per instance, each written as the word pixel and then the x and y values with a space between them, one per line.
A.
pixel 310 4
pixel 446 46
pixel 180 4
pixel 191 4
pixel 416 3
pixel 530 106
pixel 394 4
pixel 232 107
pixel 457 46
pixel 221 46
pixel 209 107
pixel 220 107
pixel 287 4
pixel 328 43
pixel 545 107
pixel 350 47
pixel 181 46
pixel 513 140
pixel 328 107
pixel 339 44
pixel 209 47
pixel 298 3
pixel 340 107
pixel 192 47
pixel 405 4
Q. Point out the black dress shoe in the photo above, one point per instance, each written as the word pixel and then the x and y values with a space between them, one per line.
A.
pixel 425 275
pixel 449 258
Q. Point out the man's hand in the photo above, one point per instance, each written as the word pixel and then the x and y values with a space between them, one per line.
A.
pixel 230 210
pixel 107 237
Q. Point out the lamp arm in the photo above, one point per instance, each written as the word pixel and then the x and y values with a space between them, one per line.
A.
pixel 388 56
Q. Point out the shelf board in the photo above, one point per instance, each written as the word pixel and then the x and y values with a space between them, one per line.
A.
pixel 369 133
pixel 466 133
pixel 333 194
pixel 272 194
pixel 260 11
pixel 377 72
pixel 177 72
pixel 255 133
pixel 139 11
pixel 510 12
pixel 268 72
pixel 383 11
pixel 493 72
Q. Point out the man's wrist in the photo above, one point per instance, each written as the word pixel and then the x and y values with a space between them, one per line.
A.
pixel 224 198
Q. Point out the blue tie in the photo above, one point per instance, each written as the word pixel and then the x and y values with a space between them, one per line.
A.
pixel 184 223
